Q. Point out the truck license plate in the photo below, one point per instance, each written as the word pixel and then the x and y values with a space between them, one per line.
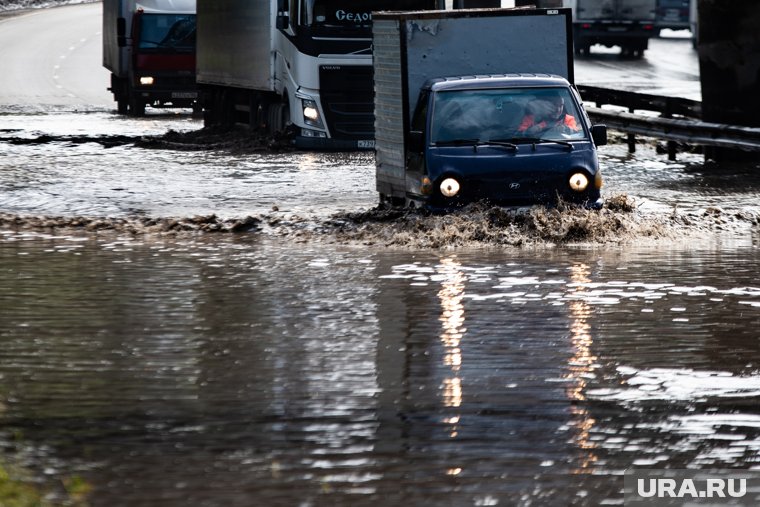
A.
pixel 184 95
pixel 365 144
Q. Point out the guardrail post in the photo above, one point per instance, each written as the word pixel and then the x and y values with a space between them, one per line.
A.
pixel 631 138
pixel 672 149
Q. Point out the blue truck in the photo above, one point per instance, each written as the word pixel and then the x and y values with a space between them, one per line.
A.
pixel 470 106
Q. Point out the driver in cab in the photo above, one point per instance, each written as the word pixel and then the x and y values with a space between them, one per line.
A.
pixel 547 114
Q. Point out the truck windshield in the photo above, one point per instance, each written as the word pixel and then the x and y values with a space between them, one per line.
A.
pixel 160 32
pixel 507 115
pixel 331 14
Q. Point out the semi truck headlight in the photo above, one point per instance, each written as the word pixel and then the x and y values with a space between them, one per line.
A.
pixel 311 113
pixel 578 182
pixel 449 187
pixel 147 80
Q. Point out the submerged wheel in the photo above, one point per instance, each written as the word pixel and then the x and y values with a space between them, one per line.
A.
pixel 136 107
pixel 122 106
pixel 279 116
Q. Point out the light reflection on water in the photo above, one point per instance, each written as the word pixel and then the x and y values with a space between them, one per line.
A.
pixel 224 371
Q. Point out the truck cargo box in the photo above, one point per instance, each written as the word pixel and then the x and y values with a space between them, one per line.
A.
pixel 413 47
pixel 235 41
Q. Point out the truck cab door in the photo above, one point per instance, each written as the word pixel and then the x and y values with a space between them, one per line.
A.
pixel 416 137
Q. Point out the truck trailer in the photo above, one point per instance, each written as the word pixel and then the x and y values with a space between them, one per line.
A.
pixel 494 117
pixel 625 23
pixel 149 47
pixel 301 64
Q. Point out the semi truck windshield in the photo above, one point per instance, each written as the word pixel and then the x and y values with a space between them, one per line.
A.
pixel 167 31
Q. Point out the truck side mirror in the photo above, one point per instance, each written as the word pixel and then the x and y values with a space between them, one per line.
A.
pixel 121 32
pixel 599 134
pixel 416 141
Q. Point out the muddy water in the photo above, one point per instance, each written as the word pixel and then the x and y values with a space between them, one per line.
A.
pixel 58 176
pixel 251 370
pixel 329 354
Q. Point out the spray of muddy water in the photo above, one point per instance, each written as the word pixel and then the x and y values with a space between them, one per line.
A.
pixel 476 225
pixel 621 220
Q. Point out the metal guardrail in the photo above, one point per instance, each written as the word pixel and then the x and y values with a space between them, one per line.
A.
pixel 666 106
pixel 688 131
pixel 687 128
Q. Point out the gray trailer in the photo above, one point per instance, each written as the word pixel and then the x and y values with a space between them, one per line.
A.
pixel 625 23
pixel 517 55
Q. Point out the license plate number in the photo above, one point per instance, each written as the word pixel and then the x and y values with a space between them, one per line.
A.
pixel 617 29
pixel 365 144
pixel 184 95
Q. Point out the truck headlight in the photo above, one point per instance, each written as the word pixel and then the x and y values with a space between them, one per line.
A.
pixel 311 113
pixel 147 80
pixel 449 187
pixel 579 182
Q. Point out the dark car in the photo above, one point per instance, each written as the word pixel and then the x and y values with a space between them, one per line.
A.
pixel 673 14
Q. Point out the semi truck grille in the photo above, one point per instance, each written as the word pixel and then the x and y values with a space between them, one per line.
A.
pixel 348 101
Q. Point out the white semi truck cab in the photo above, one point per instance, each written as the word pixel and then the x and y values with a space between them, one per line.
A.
pixel 302 65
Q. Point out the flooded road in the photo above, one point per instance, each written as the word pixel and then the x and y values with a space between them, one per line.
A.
pixel 253 371
pixel 331 355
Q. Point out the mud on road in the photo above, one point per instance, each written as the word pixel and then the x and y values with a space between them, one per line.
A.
pixel 625 218
pixel 618 222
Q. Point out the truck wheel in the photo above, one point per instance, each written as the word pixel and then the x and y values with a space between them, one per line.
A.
pixel 136 107
pixel 122 106
pixel 626 52
pixel 279 116
pixel 583 48
pixel 640 48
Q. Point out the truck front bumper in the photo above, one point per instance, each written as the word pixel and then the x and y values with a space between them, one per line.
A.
pixel 152 95
pixel 324 143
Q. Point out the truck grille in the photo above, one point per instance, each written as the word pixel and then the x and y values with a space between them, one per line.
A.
pixel 348 101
